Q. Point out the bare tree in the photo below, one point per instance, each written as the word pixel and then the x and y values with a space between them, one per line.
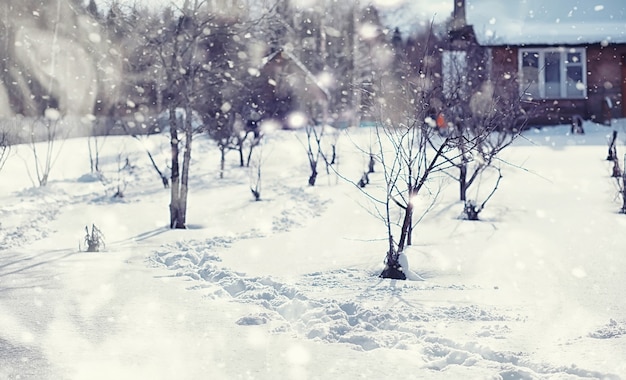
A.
pixel 310 112
pixel 368 151
pixel 115 186
pixel 410 153
pixel 182 65
pixel 44 133
pixel 235 125
pixel 95 143
pixel 483 113
pixel 480 137
pixel 184 47
pixel 313 116
pixel 320 144
pixel 313 147
pixel 255 167
pixel 252 143
pixel 408 148
pixel 228 132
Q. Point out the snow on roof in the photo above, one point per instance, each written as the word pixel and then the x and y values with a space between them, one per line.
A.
pixel 555 22
pixel 518 22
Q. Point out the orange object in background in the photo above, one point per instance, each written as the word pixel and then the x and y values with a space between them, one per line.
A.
pixel 441 121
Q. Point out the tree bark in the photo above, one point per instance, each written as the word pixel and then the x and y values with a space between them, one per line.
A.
pixel 164 179
pixel 184 182
pixel 370 165
pixel 406 226
pixel 463 180
pixel 313 176
pixel 176 220
pixel 612 155
pixel 241 159
pixel 222 160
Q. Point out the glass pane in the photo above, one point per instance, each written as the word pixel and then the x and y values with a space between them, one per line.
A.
pixel 530 59
pixel 575 86
pixel 553 75
pixel 574 58
pixel 454 73
pixel 530 74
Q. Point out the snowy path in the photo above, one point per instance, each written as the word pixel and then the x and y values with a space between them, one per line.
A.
pixel 108 315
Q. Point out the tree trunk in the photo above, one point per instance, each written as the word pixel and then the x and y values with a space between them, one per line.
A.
pixel 241 159
pixel 222 160
pixel 249 155
pixel 463 180
pixel 372 162
pixel 392 269
pixel 176 219
pixel 409 239
pixel 313 176
pixel 184 181
pixel 91 159
pixel 471 210
pixel 617 171
pixel 406 226
pixel 612 155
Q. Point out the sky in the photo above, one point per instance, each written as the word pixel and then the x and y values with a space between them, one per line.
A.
pixel 564 11
pixel 562 21
pixel 482 11
pixel 521 21
pixel 518 21
pixel 407 13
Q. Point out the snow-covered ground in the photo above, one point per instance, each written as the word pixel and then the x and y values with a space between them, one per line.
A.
pixel 287 288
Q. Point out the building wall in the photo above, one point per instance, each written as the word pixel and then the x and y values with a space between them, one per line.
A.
pixel 605 80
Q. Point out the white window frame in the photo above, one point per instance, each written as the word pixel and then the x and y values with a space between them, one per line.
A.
pixel 563 51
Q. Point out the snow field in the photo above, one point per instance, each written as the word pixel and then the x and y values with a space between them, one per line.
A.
pixel 288 287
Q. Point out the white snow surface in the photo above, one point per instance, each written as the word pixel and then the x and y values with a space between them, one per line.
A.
pixel 288 287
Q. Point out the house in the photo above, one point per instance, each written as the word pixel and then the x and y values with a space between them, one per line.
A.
pixel 567 58
pixel 287 85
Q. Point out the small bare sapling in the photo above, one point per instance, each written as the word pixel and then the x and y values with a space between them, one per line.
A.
pixel 94 239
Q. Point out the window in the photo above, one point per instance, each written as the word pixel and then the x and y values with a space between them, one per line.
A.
pixel 553 73
pixel 454 73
